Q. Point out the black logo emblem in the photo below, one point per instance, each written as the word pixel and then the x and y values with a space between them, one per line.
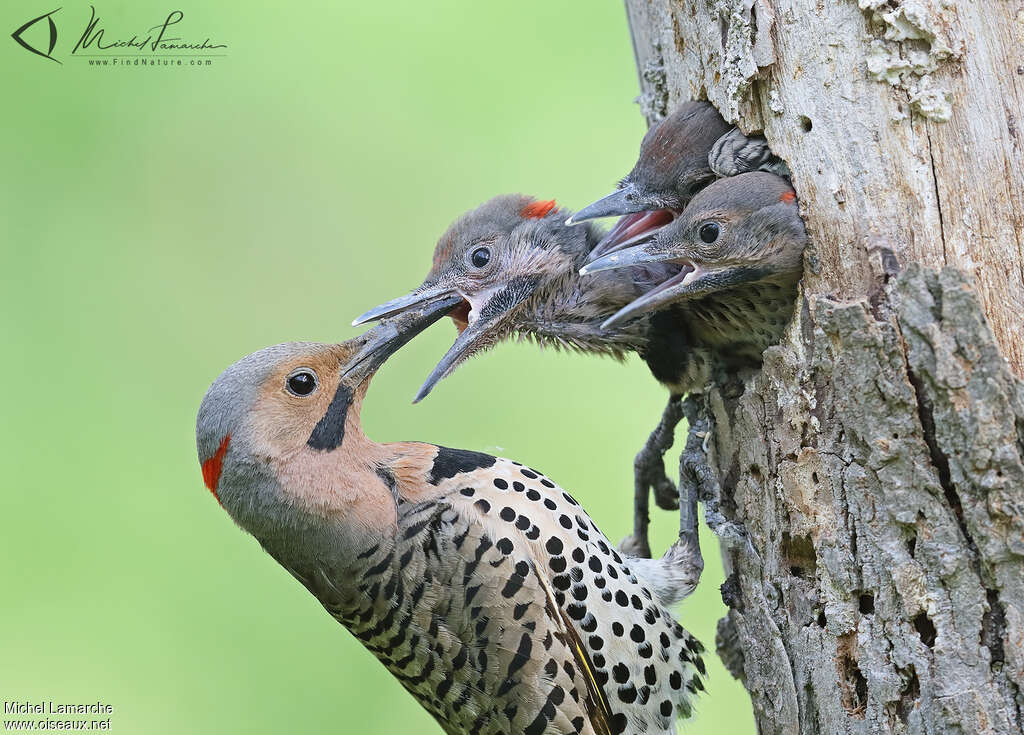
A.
pixel 53 35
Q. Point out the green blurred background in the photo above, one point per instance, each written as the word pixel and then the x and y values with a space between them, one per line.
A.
pixel 161 222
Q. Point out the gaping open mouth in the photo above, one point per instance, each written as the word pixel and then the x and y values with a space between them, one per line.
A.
pixel 687 273
pixel 660 295
pixel 460 315
pixel 632 229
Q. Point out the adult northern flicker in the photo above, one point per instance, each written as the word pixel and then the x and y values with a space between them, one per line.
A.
pixel 513 264
pixel 484 588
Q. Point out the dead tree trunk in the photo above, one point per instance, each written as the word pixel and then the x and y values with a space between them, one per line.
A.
pixel 873 471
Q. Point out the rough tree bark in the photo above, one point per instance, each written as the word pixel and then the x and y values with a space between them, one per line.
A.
pixel 871 506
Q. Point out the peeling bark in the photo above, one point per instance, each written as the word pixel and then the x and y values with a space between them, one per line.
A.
pixel 877 466
pixel 871 499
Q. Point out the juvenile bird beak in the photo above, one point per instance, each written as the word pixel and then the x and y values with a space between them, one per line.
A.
pixel 692 281
pixel 483 330
pixel 639 255
pixel 624 201
pixel 422 296
pixel 391 335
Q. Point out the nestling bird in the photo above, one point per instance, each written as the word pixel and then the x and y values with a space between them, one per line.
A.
pixel 484 588
pixel 739 245
pixel 514 265
pixel 679 156
pixel 673 166
pixel 668 173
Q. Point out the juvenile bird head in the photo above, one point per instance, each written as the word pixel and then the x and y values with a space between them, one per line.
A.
pixel 671 168
pixel 738 231
pixel 277 431
pixel 493 260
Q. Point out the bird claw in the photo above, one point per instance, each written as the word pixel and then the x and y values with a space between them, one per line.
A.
pixel 666 496
pixel 735 153
pixel 697 479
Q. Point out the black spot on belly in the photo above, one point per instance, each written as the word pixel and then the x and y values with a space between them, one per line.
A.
pixel 329 431
pixel 620 672
pixel 627 693
pixel 650 675
pixel 451 462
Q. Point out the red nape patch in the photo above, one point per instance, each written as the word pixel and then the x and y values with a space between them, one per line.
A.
pixel 788 197
pixel 212 466
pixel 537 210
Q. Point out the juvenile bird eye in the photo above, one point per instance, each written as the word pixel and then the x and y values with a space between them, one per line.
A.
pixel 301 382
pixel 709 232
pixel 480 257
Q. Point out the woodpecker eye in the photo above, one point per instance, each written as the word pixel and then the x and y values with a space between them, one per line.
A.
pixel 480 257
pixel 302 382
pixel 709 232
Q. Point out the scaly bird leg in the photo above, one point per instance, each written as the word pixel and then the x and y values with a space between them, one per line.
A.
pixel 698 480
pixel 649 473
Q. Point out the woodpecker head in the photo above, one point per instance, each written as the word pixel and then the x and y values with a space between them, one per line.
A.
pixel 738 231
pixel 277 425
pixel 672 167
pixel 494 260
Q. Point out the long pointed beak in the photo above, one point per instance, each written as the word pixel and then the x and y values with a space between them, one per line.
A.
pixel 623 201
pixel 483 332
pixel 421 296
pixel 638 255
pixel 692 282
pixel 391 335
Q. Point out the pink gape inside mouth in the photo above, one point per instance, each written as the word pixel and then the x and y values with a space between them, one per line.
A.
pixel 632 229
pixel 460 315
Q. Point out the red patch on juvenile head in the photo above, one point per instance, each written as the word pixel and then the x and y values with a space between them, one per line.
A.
pixel 788 197
pixel 537 210
pixel 212 466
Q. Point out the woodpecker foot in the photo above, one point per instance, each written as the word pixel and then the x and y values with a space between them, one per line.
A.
pixel 649 464
pixel 735 153
pixel 686 551
pixel 697 479
pixel 649 474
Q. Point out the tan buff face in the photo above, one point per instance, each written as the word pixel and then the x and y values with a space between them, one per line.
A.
pixel 283 419
pixel 333 476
